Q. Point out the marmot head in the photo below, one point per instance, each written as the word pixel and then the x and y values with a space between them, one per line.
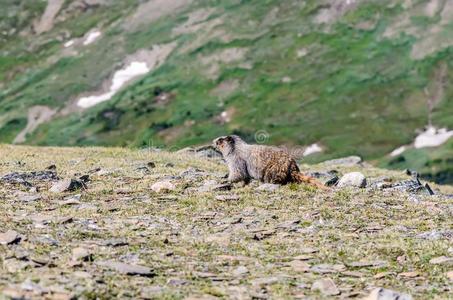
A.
pixel 226 144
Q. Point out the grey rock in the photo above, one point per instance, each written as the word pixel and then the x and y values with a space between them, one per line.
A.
pixel 46 240
pixel 268 187
pixel 25 177
pixel 227 198
pixel 127 269
pixel 328 268
pixel 326 286
pixel 385 294
pixel 81 253
pixel 442 260
pixel 193 173
pixel 353 179
pixel 344 161
pixel 67 185
pixel 213 186
pixel 116 242
pixel 9 237
pixel 239 271
pixel 29 198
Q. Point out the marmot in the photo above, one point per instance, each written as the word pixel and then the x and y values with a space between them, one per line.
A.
pixel 265 163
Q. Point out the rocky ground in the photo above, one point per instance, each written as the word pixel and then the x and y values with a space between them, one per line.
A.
pixel 98 223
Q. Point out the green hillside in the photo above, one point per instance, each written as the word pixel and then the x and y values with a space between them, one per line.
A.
pixel 356 77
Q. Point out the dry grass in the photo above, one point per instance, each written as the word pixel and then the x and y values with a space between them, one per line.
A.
pixel 197 245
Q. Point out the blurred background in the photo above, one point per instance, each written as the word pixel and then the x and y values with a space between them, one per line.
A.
pixel 339 77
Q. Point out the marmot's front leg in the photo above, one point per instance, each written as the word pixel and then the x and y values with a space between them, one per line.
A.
pixel 238 172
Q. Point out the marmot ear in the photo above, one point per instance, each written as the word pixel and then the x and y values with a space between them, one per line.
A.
pixel 230 139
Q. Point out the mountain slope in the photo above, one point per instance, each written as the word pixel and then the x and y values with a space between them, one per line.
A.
pixel 355 77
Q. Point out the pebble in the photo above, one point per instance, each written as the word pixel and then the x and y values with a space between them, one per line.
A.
pixel 67 185
pixel 127 268
pixel 9 237
pixel 227 198
pixel 326 286
pixel 163 186
pixel 385 294
pixel 268 187
pixel 442 260
pixel 81 254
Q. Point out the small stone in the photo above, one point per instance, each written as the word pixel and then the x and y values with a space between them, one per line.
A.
pixel 82 274
pixel 116 242
pixel 382 275
pixel 169 165
pixel 308 250
pixel 365 264
pixel 353 274
pixel 345 161
pixel 413 274
pixel 163 186
pixel 327 268
pixel 268 187
pixel 213 186
pixel 384 294
pixel 239 271
pixel 40 260
pixel 127 268
pixel 442 260
pixel 227 198
pixel 450 275
pixel 67 185
pixel 81 254
pixel 151 292
pixel 326 286
pixel 29 198
pixel 9 237
pixel 353 179
pixel 265 281
pixel 299 266
pixel 303 257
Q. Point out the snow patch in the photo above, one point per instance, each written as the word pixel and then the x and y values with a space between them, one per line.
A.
pixel 120 77
pixel 315 148
pixel 68 43
pixel 91 37
pixel 398 151
pixel 432 137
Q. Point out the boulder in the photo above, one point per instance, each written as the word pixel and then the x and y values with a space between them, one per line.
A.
pixel 353 179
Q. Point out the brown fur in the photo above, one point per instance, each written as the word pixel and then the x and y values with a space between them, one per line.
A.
pixel 264 163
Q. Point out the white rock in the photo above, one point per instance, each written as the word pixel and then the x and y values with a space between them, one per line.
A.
pixel 353 179
pixel 384 294
pixel 163 186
